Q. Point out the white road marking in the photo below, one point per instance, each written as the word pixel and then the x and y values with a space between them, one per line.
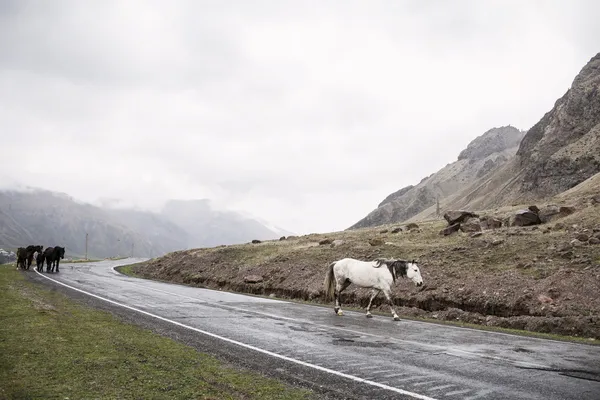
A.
pixel 432 346
pixel 247 346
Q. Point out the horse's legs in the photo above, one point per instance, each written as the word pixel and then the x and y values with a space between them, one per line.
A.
pixel 391 303
pixel 339 288
pixel 57 263
pixel 374 294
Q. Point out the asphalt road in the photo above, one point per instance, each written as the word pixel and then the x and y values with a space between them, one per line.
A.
pixel 342 357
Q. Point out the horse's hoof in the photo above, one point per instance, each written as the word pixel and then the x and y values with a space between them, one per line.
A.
pixel 369 316
pixel 340 313
pixel 396 318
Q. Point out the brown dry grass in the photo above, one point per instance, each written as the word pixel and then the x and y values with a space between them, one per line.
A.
pixel 503 278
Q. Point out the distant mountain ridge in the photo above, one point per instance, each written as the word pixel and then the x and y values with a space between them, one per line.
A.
pixel 37 216
pixel 481 157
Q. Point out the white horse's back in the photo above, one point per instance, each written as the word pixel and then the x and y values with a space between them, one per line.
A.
pixel 363 273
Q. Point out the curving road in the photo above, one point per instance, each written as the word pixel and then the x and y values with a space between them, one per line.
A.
pixel 342 357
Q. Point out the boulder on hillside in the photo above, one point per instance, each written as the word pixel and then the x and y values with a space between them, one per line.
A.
pixel 256 241
pixel 376 242
pixel 396 230
pixel 549 212
pixel 449 230
pixel 489 222
pixel 566 210
pixel 325 241
pixel 337 242
pixel 534 209
pixel 526 218
pixel 458 216
pixel 471 225
pixel 412 226
pixel 282 238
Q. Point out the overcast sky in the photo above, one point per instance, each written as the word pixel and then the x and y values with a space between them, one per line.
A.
pixel 304 113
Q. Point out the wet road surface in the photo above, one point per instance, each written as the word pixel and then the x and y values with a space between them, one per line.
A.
pixel 352 356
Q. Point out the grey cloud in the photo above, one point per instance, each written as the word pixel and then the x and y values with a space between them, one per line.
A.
pixel 304 113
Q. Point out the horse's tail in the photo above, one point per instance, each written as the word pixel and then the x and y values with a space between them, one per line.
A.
pixel 329 282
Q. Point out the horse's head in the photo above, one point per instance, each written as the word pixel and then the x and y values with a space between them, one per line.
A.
pixel 61 252
pixel 414 273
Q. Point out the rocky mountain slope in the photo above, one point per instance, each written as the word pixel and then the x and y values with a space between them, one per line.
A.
pixel 484 155
pixel 557 153
pixel 50 219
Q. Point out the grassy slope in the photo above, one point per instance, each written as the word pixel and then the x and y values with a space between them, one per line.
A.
pixel 466 279
pixel 52 347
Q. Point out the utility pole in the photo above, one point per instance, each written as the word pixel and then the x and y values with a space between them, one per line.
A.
pixel 437 208
pixel 86 245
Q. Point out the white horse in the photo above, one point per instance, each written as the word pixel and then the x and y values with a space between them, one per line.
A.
pixel 368 274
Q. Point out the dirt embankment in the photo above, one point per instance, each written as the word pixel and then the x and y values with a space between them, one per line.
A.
pixel 533 278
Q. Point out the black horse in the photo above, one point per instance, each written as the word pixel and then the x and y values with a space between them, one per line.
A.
pixel 39 260
pixel 21 257
pixel 29 251
pixel 53 255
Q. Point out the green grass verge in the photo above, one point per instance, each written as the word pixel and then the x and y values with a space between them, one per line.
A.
pixel 128 269
pixel 54 347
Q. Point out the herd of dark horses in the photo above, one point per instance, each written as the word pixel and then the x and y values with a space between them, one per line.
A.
pixel 51 255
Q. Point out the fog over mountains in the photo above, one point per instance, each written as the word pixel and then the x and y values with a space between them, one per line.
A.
pixel 37 216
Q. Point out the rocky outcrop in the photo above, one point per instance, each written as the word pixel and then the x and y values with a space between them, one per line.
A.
pixel 563 148
pixel 559 152
pixel 482 157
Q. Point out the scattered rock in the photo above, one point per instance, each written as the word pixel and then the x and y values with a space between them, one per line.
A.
pixel 376 242
pixel 594 240
pixel 545 299
pixel 497 242
pixel 458 216
pixel 568 254
pixel 548 212
pixel 488 222
pixel 383 231
pixel 596 199
pixel 534 209
pixel 526 218
pixel 396 230
pixel 476 234
pixel 566 210
pixel 449 230
pixel 256 241
pixel 325 241
pixel 253 279
pixel 471 225
pixel 582 237
pixel 559 226
pixel 337 242
pixel 576 243
pixel 412 226
pixel 282 238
